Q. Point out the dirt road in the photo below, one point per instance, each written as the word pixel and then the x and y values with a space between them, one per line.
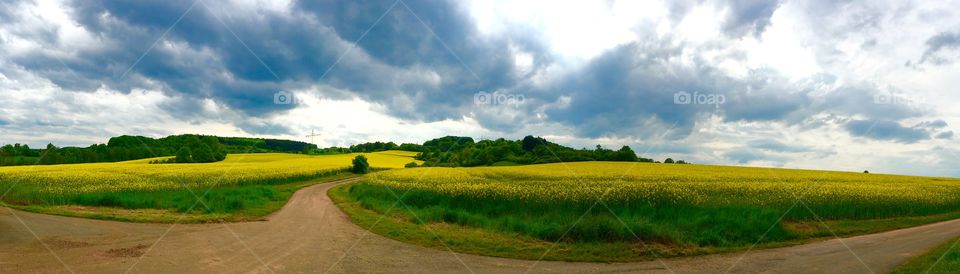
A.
pixel 310 235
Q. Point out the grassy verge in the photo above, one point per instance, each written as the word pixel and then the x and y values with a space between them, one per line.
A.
pixel 846 228
pixel 943 259
pixel 228 203
pixel 429 228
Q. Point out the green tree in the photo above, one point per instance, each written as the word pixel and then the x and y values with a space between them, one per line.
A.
pixel 203 154
pixel 626 154
pixel 88 156
pixel 24 150
pixel 360 165
pixel 183 155
pixel 220 155
pixel 668 161
pixel 530 142
pixel 210 141
pixel 7 151
pixel 50 156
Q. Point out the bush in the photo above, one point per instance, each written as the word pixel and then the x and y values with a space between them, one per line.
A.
pixel 164 161
pixel 360 165
pixel 411 164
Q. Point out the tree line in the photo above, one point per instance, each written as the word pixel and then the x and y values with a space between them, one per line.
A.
pixel 18 154
pixel 187 148
pixel 368 147
pixel 192 148
pixel 466 152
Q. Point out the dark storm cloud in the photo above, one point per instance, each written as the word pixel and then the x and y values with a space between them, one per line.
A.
pixel 435 34
pixel 935 124
pixel 425 51
pixel 743 17
pixel 761 97
pixel 749 16
pixel 870 101
pixel 619 92
pixel 893 131
pixel 942 41
pixel 189 60
pixel 620 89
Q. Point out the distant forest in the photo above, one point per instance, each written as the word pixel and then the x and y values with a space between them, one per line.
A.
pixel 456 151
pixel 188 148
pixel 450 151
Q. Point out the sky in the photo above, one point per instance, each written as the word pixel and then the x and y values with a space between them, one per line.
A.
pixel 840 85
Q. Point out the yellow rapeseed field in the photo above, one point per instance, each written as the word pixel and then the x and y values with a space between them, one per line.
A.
pixel 595 209
pixel 838 194
pixel 139 175
pixel 686 205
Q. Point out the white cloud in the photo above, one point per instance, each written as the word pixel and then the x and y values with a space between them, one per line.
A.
pixel 577 30
pixel 700 24
pixel 342 122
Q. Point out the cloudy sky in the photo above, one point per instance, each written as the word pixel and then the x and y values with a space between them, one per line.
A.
pixel 845 85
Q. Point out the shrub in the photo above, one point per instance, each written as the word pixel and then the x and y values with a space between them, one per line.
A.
pixel 360 165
